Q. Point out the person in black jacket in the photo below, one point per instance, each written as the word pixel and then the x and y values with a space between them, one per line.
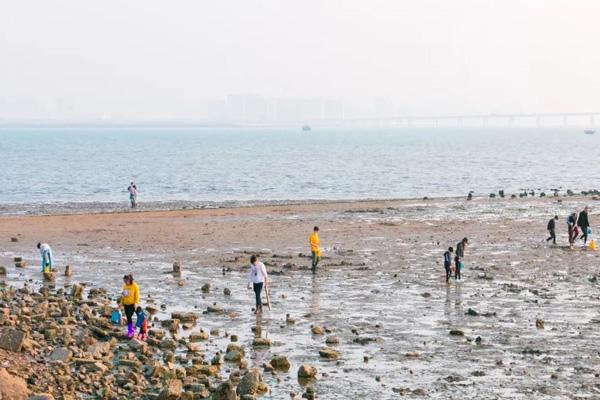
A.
pixel 460 253
pixel 552 229
pixel 584 224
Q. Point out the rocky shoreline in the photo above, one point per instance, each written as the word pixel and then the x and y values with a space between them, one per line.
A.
pixel 71 350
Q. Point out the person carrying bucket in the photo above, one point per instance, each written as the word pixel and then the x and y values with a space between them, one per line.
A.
pixel 47 259
pixel 130 298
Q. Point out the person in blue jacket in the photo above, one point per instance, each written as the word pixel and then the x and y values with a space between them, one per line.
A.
pixel 47 259
pixel 448 263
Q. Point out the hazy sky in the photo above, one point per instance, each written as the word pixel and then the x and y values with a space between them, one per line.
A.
pixel 166 59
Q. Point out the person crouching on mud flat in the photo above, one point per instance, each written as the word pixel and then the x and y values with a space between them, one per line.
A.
pixel 259 279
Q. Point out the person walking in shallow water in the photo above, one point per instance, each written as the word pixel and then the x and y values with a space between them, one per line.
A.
pixel 259 279
pixel 133 193
pixel 552 229
pixel 315 251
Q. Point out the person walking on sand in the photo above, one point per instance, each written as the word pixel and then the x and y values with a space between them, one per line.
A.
pixel 552 229
pixel 47 259
pixel 314 242
pixel 259 279
pixel 584 223
pixel 448 263
pixel 130 298
pixel 133 193
pixel 458 258
pixel 572 228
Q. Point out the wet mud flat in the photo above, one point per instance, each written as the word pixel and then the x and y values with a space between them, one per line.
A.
pixel 523 323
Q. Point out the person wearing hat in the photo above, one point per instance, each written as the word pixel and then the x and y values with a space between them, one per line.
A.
pixel 130 298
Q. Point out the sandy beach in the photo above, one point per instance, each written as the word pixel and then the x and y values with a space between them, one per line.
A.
pixel 380 289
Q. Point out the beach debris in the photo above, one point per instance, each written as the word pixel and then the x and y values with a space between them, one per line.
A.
pixel 539 323
pixel 456 332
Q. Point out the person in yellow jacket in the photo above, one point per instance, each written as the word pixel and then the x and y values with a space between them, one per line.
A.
pixel 130 298
pixel 314 242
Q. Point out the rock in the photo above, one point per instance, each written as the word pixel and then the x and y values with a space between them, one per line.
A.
pixel 470 196
pixel 2 270
pixel 77 291
pixel 138 345
pixel 249 383
pixel 205 288
pixel 185 316
pixel 307 371
pixel 215 309
pixel 289 319
pixel 317 330
pixel 41 396
pixel 539 323
pixel 171 391
pixel 68 270
pixel 329 353
pixel 225 391
pixel 180 283
pixel 17 259
pixel 227 292
pixel 49 276
pixel 198 336
pixel 61 354
pixel 281 363
pixel 14 239
pixel 332 340
pixel 233 356
pixel 456 332
pixel 472 312
pixel 11 339
pixel 20 264
pixel 12 387
pixel 261 342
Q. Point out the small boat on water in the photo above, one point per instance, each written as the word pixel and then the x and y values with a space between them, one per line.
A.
pixel 589 131
pixel 306 128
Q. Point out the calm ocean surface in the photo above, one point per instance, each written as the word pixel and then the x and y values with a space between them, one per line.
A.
pixel 67 167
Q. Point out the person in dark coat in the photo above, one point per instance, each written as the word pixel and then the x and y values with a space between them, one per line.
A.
pixel 584 223
pixel 552 229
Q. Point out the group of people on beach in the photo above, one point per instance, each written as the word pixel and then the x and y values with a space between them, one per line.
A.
pixel 129 299
pixel 458 260
pixel 575 222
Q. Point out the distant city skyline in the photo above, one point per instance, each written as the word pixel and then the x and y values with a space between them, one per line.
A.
pixel 152 60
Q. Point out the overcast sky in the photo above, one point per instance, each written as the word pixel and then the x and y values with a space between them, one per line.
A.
pixel 165 59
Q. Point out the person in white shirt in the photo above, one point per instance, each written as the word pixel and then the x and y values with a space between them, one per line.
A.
pixel 47 259
pixel 259 279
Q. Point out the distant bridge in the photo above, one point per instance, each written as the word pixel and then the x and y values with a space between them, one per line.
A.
pixel 513 119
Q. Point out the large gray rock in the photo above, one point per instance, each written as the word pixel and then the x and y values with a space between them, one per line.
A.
pixel 250 383
pixel 11 339
pixel 225 391
pixel 61 354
